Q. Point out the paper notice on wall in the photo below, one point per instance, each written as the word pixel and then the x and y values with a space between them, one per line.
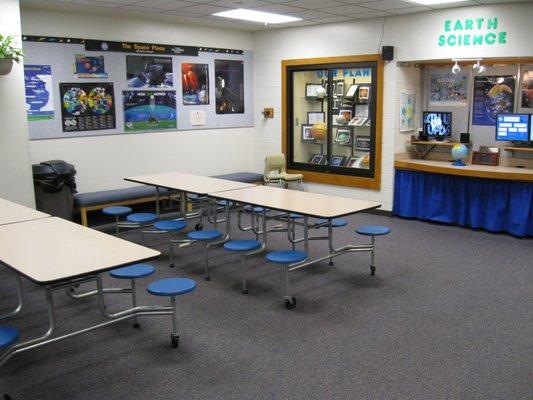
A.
pixel 197 117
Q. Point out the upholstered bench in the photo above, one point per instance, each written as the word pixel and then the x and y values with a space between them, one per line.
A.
pixel 86 202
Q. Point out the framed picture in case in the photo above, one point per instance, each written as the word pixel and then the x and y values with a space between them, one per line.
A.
pixel 314 117
pixel 311 88
pixel 339 88
pixel 317 159
pixel 362 143
pixel 306 133
pixel 343 136
pixel 364 93
pixel 337 161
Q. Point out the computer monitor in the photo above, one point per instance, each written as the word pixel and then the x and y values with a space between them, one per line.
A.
pixel 513 127
pixel 437 124
pixel 531 128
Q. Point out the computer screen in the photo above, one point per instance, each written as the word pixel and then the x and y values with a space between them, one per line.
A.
pixel 513 127
pixel 437 123
pixel 531 128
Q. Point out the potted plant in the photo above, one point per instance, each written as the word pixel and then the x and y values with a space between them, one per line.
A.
pixel 8 54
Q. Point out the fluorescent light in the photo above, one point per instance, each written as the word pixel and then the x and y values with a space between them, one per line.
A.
pixel 256 16
pixel 432 2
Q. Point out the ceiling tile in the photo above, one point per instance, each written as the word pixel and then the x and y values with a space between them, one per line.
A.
pixel 336 18
pixel 371 14
pixel 278 8
pixel 410 10
pixel 206 9
pixel 501 1
pixel 314 4
pixel 387 5
pixel 311 14
pixel 163 4
pixel 239 3
pixel 455 5
pixel 346 10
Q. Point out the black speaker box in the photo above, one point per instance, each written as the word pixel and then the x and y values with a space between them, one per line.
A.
pixel 465 137
pixel 387 53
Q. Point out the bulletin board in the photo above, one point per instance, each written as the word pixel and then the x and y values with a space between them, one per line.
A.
pixel 81 87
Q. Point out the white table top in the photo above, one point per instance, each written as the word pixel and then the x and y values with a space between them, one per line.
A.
pixel 52 249
pixel 12 212
pixel 189 183
pixel 294 201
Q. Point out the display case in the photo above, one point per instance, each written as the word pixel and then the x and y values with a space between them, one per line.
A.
pixel 332 114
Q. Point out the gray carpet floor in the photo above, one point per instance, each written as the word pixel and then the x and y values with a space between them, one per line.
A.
pixel 447 316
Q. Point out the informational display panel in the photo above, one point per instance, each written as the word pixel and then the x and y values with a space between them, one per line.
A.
pixel 77 87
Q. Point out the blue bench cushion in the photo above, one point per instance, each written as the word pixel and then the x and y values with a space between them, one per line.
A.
pixel 245 177
pixel 171 286
pixel 116 195
pixel 141 218
pixel 8 336
pixel 204 235
pixel 222 203
pixel 249 208
pixel 242 245
pixel 286 256
pixel 295 216
pixel 170 225
pixel 373 230
pixel 117 210
pixel 336 222
pixel 132 271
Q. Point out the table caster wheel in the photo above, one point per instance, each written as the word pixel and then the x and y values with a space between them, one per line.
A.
pixel 174 340
pixel 136 325
pixel 198 227
pixel 372 271
pixel 290 304
pixel 331 264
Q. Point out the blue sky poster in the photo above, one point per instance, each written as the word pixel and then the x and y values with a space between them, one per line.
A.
pixel 39 93
pixel 493 95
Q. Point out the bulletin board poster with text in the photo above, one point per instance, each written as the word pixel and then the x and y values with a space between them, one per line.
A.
pixel 39 92
pixel 448 89
pixel 493 95
pixel 149 72
pixel 229 75
pixel 195 83
pixel 149 110
pixel 87 106
pixel 527 89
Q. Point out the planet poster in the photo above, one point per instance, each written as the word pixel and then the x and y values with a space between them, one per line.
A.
pixel 447 89
pixel 149 72
pixel 407 111
pixel 149 110
pixel 493 95
pixel 195 84
pixel 39 93
pixel 527 89
pixel 87 106
pixel 89 67
pixel 229 76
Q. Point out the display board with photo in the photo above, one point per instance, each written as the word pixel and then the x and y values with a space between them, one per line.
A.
pixel 39 92
pixel 89 66
pixel 87 106
pixel 493 95
pixel 149 110
pixel 229 76
pixel 448 89
pixel 195 83
pixel 149 72
pixel 527 89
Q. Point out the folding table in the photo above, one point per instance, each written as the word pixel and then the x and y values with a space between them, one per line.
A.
pixel 56 254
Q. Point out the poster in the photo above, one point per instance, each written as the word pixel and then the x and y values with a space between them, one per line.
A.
pixel 149 72
pixel 39 93
pixel 89 67
pixel 149 110
pixel 407 111
pixel 195 83
pixel 527 89
pixel 229 75
pixel 447 89
pixel 87 106
pixel 493 95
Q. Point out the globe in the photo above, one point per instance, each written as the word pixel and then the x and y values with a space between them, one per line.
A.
pixel 459 153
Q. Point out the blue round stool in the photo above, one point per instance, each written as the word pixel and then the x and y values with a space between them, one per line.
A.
pixel 117 211
pixel 287 257
pixel 335 222
pixel 133 272
pixel 141 220
pixel 171 226
pixel 372 231
pixel 172 287
pixel 254 209
pixel 206 237
pixel 242 247
pixel 8 336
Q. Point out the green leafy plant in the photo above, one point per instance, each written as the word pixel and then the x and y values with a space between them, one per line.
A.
pixel 8 51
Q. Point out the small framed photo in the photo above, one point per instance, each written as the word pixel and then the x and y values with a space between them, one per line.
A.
pixel 352 89
pixel 317 159
pixel 334 88
pixel 347 113
pixel 362 110
pixel 352 161
pixel 311 88
pixel 337 161
pixel 362 143
pixel 364 93
pixel 360 121
pixel 339 89
pixel 343 136
pixel 306 133
pixel 314 117
pixel 481 158
pixel 337 104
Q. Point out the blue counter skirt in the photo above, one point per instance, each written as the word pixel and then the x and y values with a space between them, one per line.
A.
pixel 491 204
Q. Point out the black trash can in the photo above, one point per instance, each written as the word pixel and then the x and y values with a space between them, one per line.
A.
pixel 55 184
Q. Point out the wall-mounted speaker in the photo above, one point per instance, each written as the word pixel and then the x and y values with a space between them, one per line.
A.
pixel 465 137
pixel 387 53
